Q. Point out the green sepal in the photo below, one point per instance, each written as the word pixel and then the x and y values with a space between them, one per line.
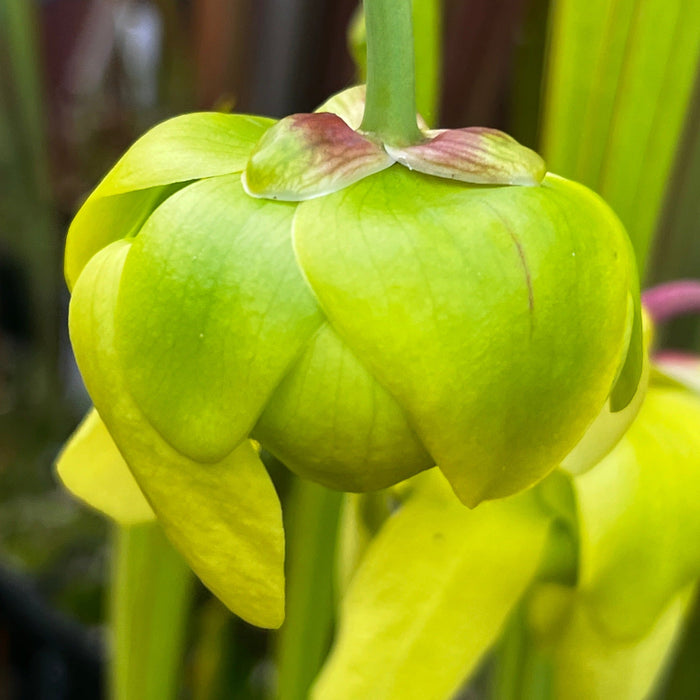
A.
pixel 430 595
pixel 181 149
pixel 348 104
pixel 496 316
pixel 225 518
pixel 627 382
pixel 93 470
pixel 212 312
pixel 305 156
pixel 102 220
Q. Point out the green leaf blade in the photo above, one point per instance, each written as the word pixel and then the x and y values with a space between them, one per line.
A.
pixel 620 82
pixel 430 597
pixel 151 595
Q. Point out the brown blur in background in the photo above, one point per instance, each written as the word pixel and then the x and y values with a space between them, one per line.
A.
pixel 79 81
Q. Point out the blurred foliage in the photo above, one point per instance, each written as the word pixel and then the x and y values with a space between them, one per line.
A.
pixel 79 79
pixel 151 595
pixel 619 87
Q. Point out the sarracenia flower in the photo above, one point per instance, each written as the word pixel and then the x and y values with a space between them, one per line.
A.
pixel 362 320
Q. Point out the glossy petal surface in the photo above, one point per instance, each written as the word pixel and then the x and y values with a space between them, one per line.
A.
pixel 225 518
pixel 496 316
pixel 430 595
pixel 212 312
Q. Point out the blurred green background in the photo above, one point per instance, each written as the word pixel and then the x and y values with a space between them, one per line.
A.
pixel 79 81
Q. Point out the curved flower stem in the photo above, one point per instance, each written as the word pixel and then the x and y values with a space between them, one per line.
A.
pixel 390 110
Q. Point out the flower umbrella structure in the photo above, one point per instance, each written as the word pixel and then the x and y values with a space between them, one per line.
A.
pixel 292 282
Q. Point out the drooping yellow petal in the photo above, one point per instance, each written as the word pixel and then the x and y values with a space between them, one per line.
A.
pixel 225 517
pixel 92 469
pixel 431 595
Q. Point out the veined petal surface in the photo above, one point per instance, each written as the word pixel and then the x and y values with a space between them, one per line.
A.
pixel 225 518
pixel 496 316
pixel 475 154
pixel 430 596
pixel 181 149
pixel 212 312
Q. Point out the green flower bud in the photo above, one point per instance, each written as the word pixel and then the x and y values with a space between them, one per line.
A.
pixel 467 311
pixel 399 322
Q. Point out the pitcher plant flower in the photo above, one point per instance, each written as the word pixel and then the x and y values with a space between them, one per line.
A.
pixel 365 302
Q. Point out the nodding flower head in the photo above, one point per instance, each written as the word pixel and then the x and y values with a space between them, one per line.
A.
pixel 363 310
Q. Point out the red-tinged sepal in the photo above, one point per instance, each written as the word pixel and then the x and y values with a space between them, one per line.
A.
pixel 476 154
pixel 309 155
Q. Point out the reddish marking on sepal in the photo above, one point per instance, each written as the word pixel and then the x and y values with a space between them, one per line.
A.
pixel 310 155
pixel 476 154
